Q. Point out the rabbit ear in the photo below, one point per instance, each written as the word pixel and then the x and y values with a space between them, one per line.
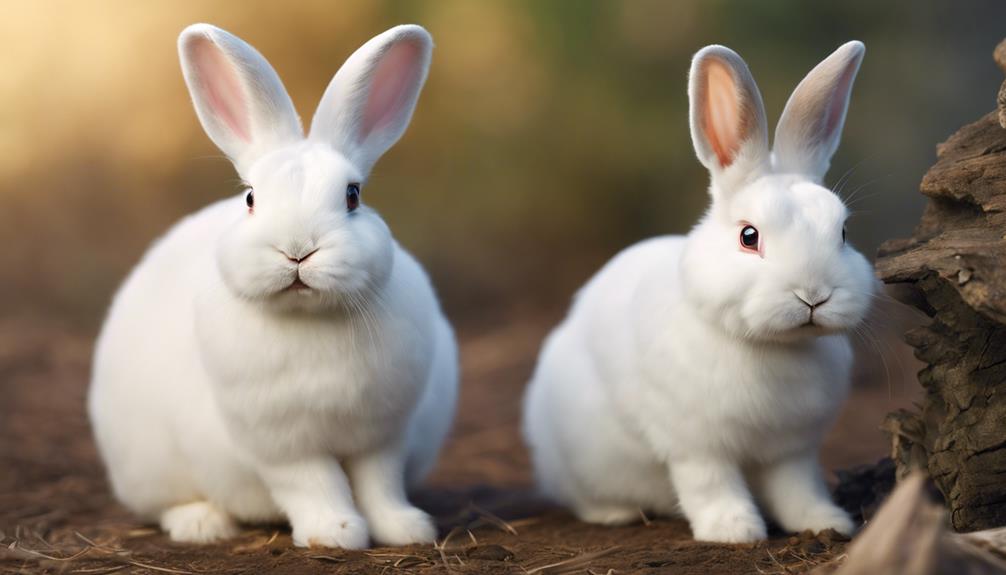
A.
pixel 727 118
pixel 811 125
pixel 369 102
pixel 238 97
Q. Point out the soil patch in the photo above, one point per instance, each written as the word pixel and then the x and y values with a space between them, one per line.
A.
pixel 57 515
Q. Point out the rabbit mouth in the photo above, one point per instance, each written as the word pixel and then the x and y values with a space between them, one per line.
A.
pixel 814 328
pixel 297 285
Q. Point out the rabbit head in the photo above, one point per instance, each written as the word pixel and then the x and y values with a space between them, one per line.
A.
pixel 769 260
pixel 302 237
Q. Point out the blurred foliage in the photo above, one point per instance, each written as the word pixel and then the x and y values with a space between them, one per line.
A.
pixel 550 135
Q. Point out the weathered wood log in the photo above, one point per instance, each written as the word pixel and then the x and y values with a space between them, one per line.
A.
pixel 956 263
pixel 909 537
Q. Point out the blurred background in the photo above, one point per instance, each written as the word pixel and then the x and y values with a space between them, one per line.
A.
pixel 550 134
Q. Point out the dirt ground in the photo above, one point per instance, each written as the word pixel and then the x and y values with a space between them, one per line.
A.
pixel 57 516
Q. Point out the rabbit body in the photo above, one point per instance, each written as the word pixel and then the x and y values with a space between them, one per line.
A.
pixel 222 392
pixel 663 389
pixel 698 374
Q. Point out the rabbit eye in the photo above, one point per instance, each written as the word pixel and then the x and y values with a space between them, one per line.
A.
pixel 749 238
pixel 352 197
pixel 843 234
pixel 250 200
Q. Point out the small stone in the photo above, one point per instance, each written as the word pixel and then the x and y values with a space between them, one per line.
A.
pixel 830 536
pixel 813 547
pixel 489 553
pixel 963 276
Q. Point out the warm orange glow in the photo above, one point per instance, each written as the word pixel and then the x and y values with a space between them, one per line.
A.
pixel 722 117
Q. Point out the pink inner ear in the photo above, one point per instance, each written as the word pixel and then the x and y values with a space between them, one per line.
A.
pixel 721 119
pixel 222 87
pixel 391 85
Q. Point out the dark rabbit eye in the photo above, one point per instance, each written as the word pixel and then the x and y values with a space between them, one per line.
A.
pixel 352 197
pixel 843 234
pixel 250 199
pixel 749 238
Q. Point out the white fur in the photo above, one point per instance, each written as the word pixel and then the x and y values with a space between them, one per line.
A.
pixel 218 395
pixel 683 379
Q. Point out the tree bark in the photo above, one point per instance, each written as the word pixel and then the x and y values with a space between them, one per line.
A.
pixel 955 263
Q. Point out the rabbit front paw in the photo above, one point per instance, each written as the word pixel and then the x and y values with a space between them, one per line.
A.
pixel 402 526
pixel 198 522
pixel 730 525
pixel 344 531
pixel 821 517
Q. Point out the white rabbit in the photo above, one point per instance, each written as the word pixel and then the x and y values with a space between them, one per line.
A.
pixel 698 374
pixel 277 355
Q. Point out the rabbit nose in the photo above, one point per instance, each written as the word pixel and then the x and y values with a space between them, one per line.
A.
pixel 301 256
pixel 814 298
